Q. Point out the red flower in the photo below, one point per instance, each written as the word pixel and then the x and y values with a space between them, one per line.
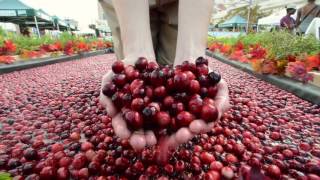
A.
pixel 313 62
pixel 6 59
pixel 239 46
pixel 8 47
pixel 257 51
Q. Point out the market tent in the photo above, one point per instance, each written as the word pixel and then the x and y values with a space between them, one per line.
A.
pixel 14 11
pixel 62 25
pixel 236 21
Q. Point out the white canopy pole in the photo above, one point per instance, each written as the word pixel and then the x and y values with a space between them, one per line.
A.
pixel 249 14
pixel 37 26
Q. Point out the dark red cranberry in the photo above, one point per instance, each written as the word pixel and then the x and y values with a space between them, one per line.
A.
pixel 152 66
pixel 133 119
pixel 33 177
pixel 119 80
pixel 27 168
pixel 136 84
pixel 137 104
pixel 94 167
pixel 30 154
pixel 274 171
pixel 118 67
pixel 195 106
pixel 79 161
pixel 184 118
pixel 206 158
pixel 209 113
pixel 194 87
pixel 181 81
pixel 214 78
pixel 63 173
pixel 176 108
pixel 179 166
pixel 212 91
pixel 141 64
pixel 157 77
pixel 160 92
pixel 109 89
pixel 83 173
pixel 48 173
pixel 163 119
pixel 13 163
pixel 168 168
pixel 201 60
pixel 168 101
pixel 202 69
pixel 121 163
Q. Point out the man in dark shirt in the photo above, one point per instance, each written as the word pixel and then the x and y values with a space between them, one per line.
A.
pixel 306 14
pixel 287 22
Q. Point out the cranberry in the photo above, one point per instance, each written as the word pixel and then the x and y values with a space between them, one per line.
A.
pixel 152 66
pixel 141 64
pixel 216 165
pixel 122 163
pixel 214 78
pixel 206 158
pixel 274 171
pixel 133 119
pixel 212 175
pixel 79 161
pixel 30 154
pixel 168 101
pixel 184 118
pixel 195 106
pixel 83 173
pixel 168 168
pixel 181 81
pixel 212 91
pixel 119 80
pixel 160 92
pixel 157 77
pixel 117 67
pixel 136 84
pixel 57 147
pixel 65 161
pixel 109 89
pixel 47 173
pixel 209 113
pixel 194 87
pixel 137 104
pixel 63 173
pixel 201 60
pixel 227 173
pixel 163 119
pixel 202 69
pixel 180 166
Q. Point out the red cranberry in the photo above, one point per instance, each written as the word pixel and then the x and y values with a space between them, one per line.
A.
pixel 119 80
pixel 212 175
pixel 133 119
pixel 212 91
pixel 157 77
pixel 181 81
pixel 83 173
pixel 122 163
pixel 109 89
pixel 57 147
pixel 85 146
pixel 117 67
pixel 190 75
pixel 137 104
pixel 141 64
pixel 168 101
pixel 195 105
pixel 184 118
pixel 202 69
pixel 177 108
pixel 168 168
pixel 275 136
pixel 206 158
pixel 201 60
pixel 152 170
pixel 47 173
pixel 136 84
pixel 216 165
pixel 79 161
pixel 163 119
pixel 209 113
pixel 274 171
pixel 194 87
pixel 63 173
pixel 179 166
pixel 30 154
pixel 65 161
pixel 152 66
pixel 214 78
pixel 160 92
pixel 227 173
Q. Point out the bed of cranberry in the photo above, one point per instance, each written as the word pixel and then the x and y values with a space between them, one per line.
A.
pixel 52 127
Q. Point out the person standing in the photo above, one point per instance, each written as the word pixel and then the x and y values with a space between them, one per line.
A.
pixel 306 14
pixel 288 22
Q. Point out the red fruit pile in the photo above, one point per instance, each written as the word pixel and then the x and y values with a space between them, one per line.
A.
pixel 163 98
pixel 53 127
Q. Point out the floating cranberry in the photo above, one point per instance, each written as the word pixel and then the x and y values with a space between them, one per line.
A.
pixel 194 87
pixel 119 80
pixel 109 89
pixel 160 92
pixel 274 171
pixel 214 78
pixel 206 158
pixel 30 154
pixel 201 60
pixel 137 104
pixel 152 66
pixel 163 119
pixel 181 81
pixel 47 173
pixel 62 173
pixel 227 173
pixel 195 106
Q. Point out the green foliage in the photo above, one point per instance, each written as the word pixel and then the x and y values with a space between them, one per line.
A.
pixel 278 44
pixel 5 176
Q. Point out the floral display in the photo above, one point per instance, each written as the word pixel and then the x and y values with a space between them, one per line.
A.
pixel 273 53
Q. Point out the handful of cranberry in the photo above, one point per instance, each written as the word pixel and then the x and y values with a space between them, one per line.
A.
pixel 163 99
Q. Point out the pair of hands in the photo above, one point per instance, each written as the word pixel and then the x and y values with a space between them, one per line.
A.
pixel 141 139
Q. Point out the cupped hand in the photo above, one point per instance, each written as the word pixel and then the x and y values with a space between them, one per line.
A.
pixel 138 139
pixel 199 126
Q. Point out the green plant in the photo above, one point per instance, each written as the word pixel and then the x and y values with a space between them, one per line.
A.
pixel 5 176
